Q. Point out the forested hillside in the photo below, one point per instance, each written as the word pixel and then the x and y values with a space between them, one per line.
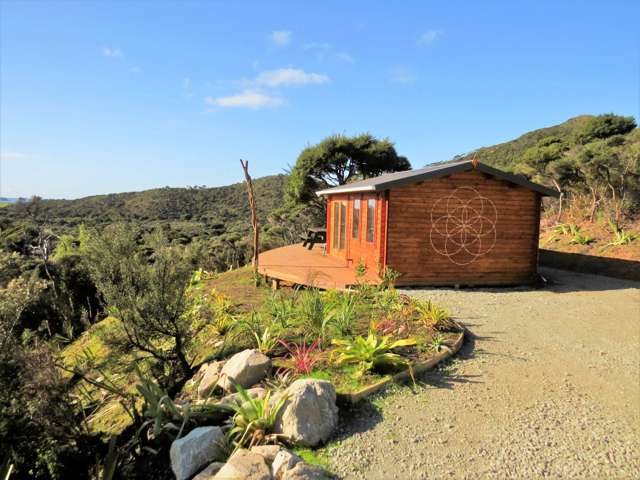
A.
pixel 219 205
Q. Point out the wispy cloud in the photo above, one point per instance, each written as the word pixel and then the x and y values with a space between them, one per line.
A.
pixel 323 51
pixel 345 57
pixel 286 77
pixel 112 52
pixel 428 37
pixel 248 99
pixel 280 38
pixel 401 75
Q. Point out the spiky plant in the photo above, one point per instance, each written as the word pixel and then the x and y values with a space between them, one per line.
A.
pixel 303 357
pixel 371 352
pixel 253 419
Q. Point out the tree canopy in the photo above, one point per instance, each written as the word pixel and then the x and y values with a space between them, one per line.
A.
pixel 339 159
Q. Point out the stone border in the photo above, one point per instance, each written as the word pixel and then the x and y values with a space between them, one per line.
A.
pixel 447 351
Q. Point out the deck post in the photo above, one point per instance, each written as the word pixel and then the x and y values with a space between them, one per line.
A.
pixel 275 284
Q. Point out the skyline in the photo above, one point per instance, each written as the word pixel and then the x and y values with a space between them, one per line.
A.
pixel 101 98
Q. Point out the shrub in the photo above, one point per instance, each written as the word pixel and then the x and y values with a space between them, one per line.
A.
pixel 311 313
pixel 282 309
pixel 342 314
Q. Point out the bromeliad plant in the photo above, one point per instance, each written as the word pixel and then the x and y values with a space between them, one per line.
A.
pixel 433 316
pixel 371 352
pixel 303 357
pixel 253 419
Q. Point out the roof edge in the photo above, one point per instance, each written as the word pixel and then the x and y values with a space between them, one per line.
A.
pixel 446 169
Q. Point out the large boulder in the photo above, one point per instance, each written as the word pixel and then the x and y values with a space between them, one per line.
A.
pixel 309 415
pixel 209 379
pixel 244 465
pixel 210 472
pixel 200 447
pixel 246 368
pixel 304 471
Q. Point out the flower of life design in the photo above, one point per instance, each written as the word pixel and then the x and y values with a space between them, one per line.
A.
pixel 463 225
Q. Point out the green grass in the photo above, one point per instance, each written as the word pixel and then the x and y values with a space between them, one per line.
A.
pixel 4 204
pixel 314 457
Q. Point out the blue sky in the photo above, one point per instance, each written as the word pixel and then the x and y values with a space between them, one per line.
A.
pixel 100 97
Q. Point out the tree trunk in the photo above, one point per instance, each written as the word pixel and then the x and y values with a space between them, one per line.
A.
pixel 254 216
pixel 557 185
pixel 594 205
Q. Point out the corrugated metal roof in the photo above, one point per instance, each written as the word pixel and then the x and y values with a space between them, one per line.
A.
pixel 399 179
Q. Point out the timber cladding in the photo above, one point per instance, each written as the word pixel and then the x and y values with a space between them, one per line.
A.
pixel 468 228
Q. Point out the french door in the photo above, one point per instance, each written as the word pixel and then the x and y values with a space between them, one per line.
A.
pixel 339 228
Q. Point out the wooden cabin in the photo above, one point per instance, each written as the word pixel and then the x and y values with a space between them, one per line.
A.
pixel 461 223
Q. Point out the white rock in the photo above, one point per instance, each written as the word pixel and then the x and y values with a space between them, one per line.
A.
pixel 268 452
pixel 246 368
pixel 309 415
pixel 284 461
pixel 209 379
pixel 210 472
pixel 244 465
pixel 200 447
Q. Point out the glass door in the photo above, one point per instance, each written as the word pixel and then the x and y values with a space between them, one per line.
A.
pixel 339 228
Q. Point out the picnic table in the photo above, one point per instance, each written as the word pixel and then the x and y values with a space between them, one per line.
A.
pixel 313 236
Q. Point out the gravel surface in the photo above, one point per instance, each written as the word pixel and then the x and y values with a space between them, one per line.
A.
pixel 546 386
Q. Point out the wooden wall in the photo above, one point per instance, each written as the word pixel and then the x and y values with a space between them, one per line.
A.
pixel 424 231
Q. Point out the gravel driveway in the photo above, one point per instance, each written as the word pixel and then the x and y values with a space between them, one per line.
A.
pixel 546 386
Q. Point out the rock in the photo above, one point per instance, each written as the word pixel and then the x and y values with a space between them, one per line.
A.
pixel 282 463
pixel 200 447
pixel 209 379
pixel 304 471
pixel 309 415
pixel 257 392
pixel 210 472
pixel 244 465
pixel 246 368
pixel 268 452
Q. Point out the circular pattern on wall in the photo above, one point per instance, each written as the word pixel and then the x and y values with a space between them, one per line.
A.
pixel 463 225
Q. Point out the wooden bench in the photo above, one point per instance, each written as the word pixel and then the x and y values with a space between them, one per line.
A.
pixel 313 236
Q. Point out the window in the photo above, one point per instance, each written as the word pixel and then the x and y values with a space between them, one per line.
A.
pixel 371 218
pixel 336 225
pixel 355 225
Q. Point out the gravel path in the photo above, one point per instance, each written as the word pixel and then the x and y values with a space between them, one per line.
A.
pixel 546 386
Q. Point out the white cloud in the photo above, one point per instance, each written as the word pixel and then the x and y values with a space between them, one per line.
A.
pixel 112 52
pixel 345 57
pixel 280 38
pixel 429 37
pixel 289 76
pixel 247 99
pixel 401 75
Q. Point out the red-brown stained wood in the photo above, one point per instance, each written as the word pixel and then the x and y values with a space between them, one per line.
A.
pixel 441 232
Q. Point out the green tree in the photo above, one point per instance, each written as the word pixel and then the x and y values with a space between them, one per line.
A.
pixel 605 126
pixel 337 160
pixel 149 293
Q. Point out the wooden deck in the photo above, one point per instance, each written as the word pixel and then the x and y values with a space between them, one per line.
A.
pixel 297 265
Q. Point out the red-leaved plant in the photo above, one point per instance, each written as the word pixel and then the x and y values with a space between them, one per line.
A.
pixel 303 357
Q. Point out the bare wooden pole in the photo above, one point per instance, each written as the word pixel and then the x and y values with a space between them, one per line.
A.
pixel 254 215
